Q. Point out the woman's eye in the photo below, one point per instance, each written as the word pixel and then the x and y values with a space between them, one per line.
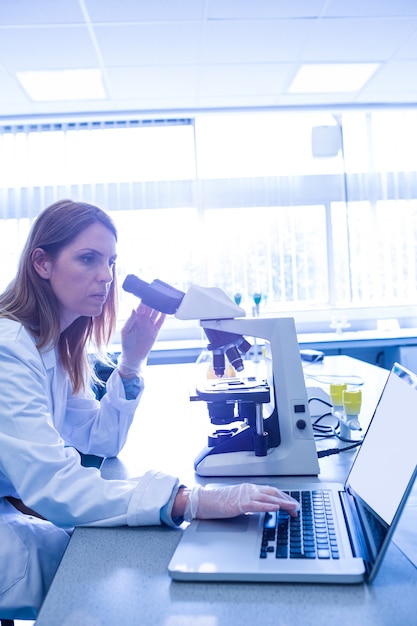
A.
pixel 87 259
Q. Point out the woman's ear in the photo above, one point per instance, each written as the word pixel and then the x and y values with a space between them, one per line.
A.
pixel 41 263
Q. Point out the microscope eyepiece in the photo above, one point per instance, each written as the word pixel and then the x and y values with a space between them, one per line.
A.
pixel 158 295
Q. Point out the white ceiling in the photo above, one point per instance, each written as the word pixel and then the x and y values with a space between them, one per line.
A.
pixel 170 56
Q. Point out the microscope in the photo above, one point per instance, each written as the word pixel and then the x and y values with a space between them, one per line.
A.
pixel 262 424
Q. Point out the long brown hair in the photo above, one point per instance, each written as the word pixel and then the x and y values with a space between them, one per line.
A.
pixel 30 299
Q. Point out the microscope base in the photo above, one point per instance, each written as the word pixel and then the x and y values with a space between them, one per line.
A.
pixel 301 460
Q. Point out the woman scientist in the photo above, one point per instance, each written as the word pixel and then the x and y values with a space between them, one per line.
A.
pixel 63 299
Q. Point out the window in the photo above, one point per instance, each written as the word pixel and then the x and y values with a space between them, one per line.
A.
pixel 237 201
pixel 277 252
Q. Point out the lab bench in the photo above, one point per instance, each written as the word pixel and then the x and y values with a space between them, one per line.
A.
pixel 119 575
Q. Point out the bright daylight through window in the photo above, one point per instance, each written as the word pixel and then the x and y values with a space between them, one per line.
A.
pixel 314 211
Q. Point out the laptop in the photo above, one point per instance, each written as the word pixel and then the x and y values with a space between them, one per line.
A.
pixel 355 521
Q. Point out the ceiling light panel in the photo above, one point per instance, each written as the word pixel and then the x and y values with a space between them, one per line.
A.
pixel 63 85
pixel 332 77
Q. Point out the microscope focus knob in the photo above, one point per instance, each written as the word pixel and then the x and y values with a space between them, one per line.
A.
pixel 301 424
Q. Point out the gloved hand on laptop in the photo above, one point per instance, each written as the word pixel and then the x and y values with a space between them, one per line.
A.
pixel 230 501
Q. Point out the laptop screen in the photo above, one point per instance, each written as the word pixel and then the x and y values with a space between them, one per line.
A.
pixel 387 459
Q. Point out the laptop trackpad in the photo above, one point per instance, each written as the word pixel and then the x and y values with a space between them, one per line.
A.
pixel 235 525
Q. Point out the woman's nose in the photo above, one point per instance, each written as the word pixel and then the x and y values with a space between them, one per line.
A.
pixel 106 274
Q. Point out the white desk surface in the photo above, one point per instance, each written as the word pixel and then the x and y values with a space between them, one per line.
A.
pixel 119 575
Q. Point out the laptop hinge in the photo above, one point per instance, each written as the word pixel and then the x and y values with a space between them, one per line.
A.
pixel 355 530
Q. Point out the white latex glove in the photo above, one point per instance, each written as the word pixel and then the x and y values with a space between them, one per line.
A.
pixel 138 336
pixel 231 501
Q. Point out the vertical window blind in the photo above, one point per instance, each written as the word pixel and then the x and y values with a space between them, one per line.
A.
pixel 242 202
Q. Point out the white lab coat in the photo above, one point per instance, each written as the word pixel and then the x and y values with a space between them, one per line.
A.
pixel 42 425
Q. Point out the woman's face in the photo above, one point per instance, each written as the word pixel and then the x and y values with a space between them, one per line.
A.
pixel 81 274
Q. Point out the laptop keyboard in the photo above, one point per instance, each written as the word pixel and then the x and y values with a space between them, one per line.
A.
pixel 310 535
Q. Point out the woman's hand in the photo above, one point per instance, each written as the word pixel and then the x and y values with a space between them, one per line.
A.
pixel 138 336
pixel 230 501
